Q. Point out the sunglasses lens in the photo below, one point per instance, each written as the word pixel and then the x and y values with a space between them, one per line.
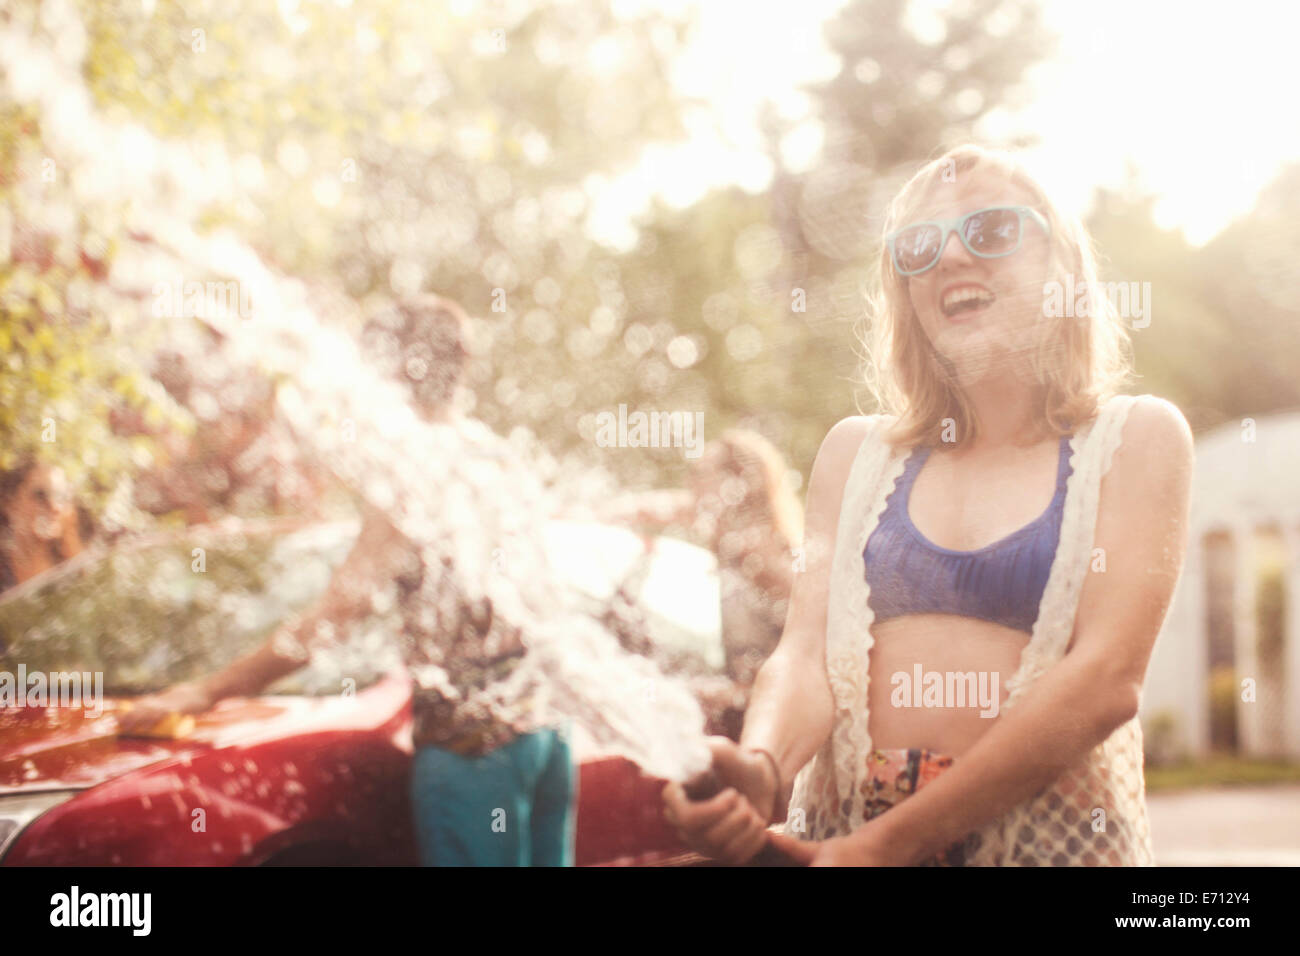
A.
pixel 994 232
pixel 916 248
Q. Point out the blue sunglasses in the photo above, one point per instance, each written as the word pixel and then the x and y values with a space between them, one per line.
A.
pixel 987 233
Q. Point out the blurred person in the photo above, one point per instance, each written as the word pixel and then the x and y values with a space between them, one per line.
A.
pixel 478 750
pixel 741 507
pixel 40 526
pixel 963 533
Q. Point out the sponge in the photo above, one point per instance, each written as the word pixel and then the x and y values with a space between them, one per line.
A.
pixel 172 727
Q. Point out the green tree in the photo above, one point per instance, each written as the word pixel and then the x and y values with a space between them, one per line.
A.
pixel 1222 339
pixel 62 384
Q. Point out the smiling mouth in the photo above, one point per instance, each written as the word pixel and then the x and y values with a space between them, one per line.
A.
pixel 964 300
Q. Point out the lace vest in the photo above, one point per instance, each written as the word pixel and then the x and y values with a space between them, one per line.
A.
pixel 1059 826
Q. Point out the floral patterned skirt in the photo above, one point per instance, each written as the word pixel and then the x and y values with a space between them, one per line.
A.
pixel 893 776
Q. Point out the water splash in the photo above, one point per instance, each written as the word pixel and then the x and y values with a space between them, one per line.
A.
pixel 432 482
pixel 450 493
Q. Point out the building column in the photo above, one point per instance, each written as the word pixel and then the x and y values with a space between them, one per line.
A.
pixel 1251 738
pixel 1192 622
pixel 1291 640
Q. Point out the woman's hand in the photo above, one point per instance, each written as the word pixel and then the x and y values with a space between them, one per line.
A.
pixel 145 712
pixel 725 827
pixel 837 851
pixel 732 825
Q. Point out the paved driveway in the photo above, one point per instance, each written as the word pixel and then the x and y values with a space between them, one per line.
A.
pixel 1227 826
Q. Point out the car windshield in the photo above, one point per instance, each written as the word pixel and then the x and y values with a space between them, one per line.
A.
pixel 148 614
pixel 675 587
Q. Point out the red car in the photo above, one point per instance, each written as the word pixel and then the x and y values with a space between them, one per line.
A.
pixel 314 773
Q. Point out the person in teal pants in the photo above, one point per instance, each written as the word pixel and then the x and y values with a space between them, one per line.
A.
pixel 509 807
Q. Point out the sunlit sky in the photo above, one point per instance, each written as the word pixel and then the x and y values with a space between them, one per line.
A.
pixel 1197 97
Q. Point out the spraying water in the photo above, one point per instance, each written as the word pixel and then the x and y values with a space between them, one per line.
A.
pixel 433 482
pixel 447 494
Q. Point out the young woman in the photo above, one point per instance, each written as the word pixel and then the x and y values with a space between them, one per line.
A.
pixel 989 561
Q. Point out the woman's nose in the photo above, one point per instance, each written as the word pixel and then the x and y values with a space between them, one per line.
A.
pixel 955 251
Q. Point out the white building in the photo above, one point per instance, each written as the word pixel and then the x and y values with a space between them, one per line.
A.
pixel 1245 518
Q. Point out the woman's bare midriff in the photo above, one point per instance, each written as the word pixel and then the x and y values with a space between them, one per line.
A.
pixel 904 715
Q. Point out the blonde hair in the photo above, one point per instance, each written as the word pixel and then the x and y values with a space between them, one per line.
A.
pixel 760 466
pixel 1078 361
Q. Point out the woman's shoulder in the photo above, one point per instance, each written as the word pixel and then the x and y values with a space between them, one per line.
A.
pixel 840 448
pixel 847 435
pixel 1151 421
pixel 1155 440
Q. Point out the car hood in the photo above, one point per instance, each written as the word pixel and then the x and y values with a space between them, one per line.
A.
pixel 72 748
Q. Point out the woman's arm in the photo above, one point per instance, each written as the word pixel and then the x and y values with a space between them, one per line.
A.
pixel 371 563
pixel 791 709
pixel 1095 688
